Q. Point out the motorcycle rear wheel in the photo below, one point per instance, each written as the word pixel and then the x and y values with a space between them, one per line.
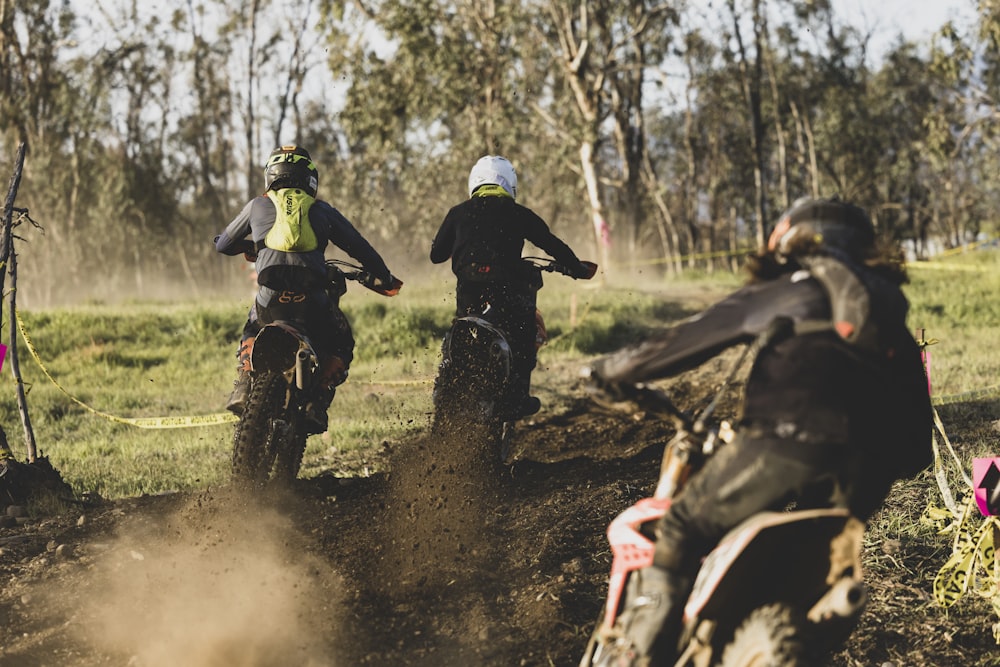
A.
pixel 770 636
pixel 253 441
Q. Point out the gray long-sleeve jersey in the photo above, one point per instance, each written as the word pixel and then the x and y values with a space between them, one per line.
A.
pixel 330 226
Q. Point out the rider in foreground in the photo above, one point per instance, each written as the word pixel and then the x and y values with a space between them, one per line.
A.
pixel 484 237
pixel 835 407
pixel 289 231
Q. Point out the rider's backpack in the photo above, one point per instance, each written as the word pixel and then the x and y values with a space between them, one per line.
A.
pixel 291 231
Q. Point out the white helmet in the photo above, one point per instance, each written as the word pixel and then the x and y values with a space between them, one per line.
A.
pixel 493 170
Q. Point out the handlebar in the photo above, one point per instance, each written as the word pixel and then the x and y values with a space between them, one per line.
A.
pixel 689 447
pixel 365 278
pixel 551 266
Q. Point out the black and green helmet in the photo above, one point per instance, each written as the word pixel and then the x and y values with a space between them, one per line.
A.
pixel 291 167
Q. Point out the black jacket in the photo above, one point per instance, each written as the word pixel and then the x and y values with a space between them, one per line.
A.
pixel 810 387
pixel 490 232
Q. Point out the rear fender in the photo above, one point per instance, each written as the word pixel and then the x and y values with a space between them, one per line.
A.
pixel 792 556
pixel 631 550
pixel 464 332
pixel 281 347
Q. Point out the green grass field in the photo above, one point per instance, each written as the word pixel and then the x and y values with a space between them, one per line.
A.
pixel 166 360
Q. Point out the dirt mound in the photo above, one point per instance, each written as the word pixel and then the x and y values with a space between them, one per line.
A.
pixel 443 561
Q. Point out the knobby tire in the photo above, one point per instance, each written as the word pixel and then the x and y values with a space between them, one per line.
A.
pixel 253 446
pixel 770 636
pixel 291 447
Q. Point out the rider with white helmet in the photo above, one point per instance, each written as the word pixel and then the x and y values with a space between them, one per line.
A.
pixel 496 171
pixel 484 238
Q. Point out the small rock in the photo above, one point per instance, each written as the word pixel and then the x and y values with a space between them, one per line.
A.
pixel 17 511
pixel 888 664
pixel 7 521
pixel 891 547
pixel 64 552
pixel 82 520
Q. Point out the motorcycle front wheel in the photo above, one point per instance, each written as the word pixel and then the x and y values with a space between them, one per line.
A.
pixel 770 636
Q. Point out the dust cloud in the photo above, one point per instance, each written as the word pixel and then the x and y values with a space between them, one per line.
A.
pixel 444 542
pixel 442 507
pixel 218 583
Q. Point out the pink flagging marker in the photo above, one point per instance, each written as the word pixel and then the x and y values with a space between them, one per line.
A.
pixel 927 369
pixel 3 354
pixel 925 357
pixel 986 484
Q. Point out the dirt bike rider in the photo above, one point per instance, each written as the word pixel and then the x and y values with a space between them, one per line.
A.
pixel 289 230
pixel 484 237
pixel 835 407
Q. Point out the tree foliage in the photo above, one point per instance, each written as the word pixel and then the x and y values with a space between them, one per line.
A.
pixel 647 133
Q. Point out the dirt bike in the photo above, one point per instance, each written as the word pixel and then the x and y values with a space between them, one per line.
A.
pixel 471 388
pixel 780 589
pixel 270 436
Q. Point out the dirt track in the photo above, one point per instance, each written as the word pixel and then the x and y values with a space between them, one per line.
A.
pixel 441 562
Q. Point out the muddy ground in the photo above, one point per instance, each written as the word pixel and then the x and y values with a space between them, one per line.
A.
pixel 440 561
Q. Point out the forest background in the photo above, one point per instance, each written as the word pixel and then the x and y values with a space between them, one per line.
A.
pixel 654 136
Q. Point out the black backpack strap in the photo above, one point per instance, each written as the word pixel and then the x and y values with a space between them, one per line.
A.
pixel 850 301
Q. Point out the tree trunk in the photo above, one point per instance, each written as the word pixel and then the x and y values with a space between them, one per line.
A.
pixel 602 233
pixel 751 93
pixel 669 240
pixel 15 366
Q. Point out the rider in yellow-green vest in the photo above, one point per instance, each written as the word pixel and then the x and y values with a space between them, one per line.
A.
pixel 287 231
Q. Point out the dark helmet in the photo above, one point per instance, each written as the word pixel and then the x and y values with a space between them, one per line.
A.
pixel 827 223
pixel 291 167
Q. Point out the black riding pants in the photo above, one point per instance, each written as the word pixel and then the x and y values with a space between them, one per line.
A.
pixel 747 476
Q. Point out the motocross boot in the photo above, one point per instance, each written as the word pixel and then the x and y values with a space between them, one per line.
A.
pixel 519 402
pixel 241 386
pixel 529 406
pixel 651 619
pixel 316 418
pixel 241 391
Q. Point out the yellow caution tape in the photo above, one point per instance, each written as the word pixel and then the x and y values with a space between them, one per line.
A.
pixel 975 245
pixel 945 266
pixel 684 258
pixel 954 455
pixel 974 395
pixel 973 564
pixel 401 383
pixel 140 422
pixel 932 264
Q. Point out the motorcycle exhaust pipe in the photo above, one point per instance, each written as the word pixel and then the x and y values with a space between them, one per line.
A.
pixel 305 361
pixel 845 599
